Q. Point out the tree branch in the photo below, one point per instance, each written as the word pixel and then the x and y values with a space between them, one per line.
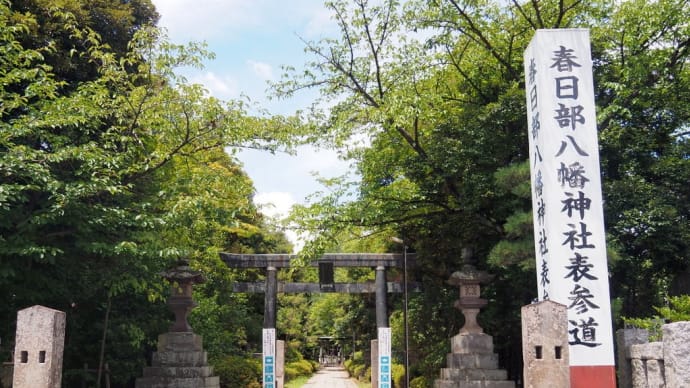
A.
pixel 483 40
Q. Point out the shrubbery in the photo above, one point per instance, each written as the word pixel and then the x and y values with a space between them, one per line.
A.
pixel 678 309
pixel 238 371
pixel 398 375
pixel 420 382
pixel 356 366
pixel 359 371
pixel 298 368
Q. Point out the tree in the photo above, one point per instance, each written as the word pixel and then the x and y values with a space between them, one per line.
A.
pixel 101 176
pixel 436 89
pixel 643 78
pixel 115 22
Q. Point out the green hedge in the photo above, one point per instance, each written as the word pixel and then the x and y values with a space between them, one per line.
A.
pixel 357 368
pixel 421 382
pixel 238 371
pixel 298 368
pixel 398 375
pixel 359 371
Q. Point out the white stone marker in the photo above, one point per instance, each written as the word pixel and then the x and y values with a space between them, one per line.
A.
pixel 40 341
pixel 569 234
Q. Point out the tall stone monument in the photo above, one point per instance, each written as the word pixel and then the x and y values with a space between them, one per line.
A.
pixel 472 361
pixel 39 343
pixel 180 361
pixel 568 217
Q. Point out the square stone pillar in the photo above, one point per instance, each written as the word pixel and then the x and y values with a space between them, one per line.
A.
pixel 374 363
pixel 545 345
pixel 625 338
pixel 280 363
pixel 39 344
pixel 676 354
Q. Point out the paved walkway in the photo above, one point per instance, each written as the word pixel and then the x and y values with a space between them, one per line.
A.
pixel 330 377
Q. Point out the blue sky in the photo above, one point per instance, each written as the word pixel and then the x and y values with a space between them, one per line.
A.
pixel 251 40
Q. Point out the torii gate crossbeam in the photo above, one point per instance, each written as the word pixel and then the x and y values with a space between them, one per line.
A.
pixel 272 262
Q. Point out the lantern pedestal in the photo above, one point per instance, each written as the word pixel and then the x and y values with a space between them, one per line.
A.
pixel 472 362
pixel 180 360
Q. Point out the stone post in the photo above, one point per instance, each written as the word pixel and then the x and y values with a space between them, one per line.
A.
pixel 545 349
pixel 676 354
pixel 280 363
pixel 647 365
pixel 39 344
pixel 374 363
pixel 625 338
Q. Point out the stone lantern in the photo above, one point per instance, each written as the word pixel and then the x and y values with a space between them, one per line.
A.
pixel 469 280
pixel 182 278
pixel 180 360
pixel 472 361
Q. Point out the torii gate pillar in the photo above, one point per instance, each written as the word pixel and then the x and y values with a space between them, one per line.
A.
pixel 381 288
pixel 270 297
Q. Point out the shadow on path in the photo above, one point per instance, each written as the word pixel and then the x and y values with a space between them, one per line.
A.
pixel 330 377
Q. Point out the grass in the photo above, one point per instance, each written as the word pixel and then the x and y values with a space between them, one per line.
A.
pixel 297 382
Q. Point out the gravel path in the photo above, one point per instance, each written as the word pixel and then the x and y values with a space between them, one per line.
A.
pixel 330 377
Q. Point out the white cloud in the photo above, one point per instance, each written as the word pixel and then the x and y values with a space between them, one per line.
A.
pixel 325 161
pixel 275 204
pixel 203 19
pixel 199 20
pixel 224 88
pixel 261 69
pixel 320 23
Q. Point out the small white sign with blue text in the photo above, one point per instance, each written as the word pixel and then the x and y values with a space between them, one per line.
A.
pixel 385 362
pixel 269 358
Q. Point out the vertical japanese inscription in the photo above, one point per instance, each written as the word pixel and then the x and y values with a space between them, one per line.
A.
pixel 269 358
pixel 569 234
pixel 536 161
pixel 385 363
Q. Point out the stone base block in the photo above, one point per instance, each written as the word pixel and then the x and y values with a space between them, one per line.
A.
pixel 473 384
pixel 482 361
pixel 476 343
pixel 473 364
pixel 162 382
pixel 473 374
pixel 648 351
pixel 181 342
pixel 185 372
pixel 194 359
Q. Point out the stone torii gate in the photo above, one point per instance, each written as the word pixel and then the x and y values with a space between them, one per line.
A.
pixel 271 263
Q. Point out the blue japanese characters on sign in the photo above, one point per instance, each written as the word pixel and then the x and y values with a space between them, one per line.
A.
pixel 385 372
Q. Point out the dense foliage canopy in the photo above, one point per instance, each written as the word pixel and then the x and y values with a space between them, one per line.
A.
pixel 430 107
pixel 112 167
